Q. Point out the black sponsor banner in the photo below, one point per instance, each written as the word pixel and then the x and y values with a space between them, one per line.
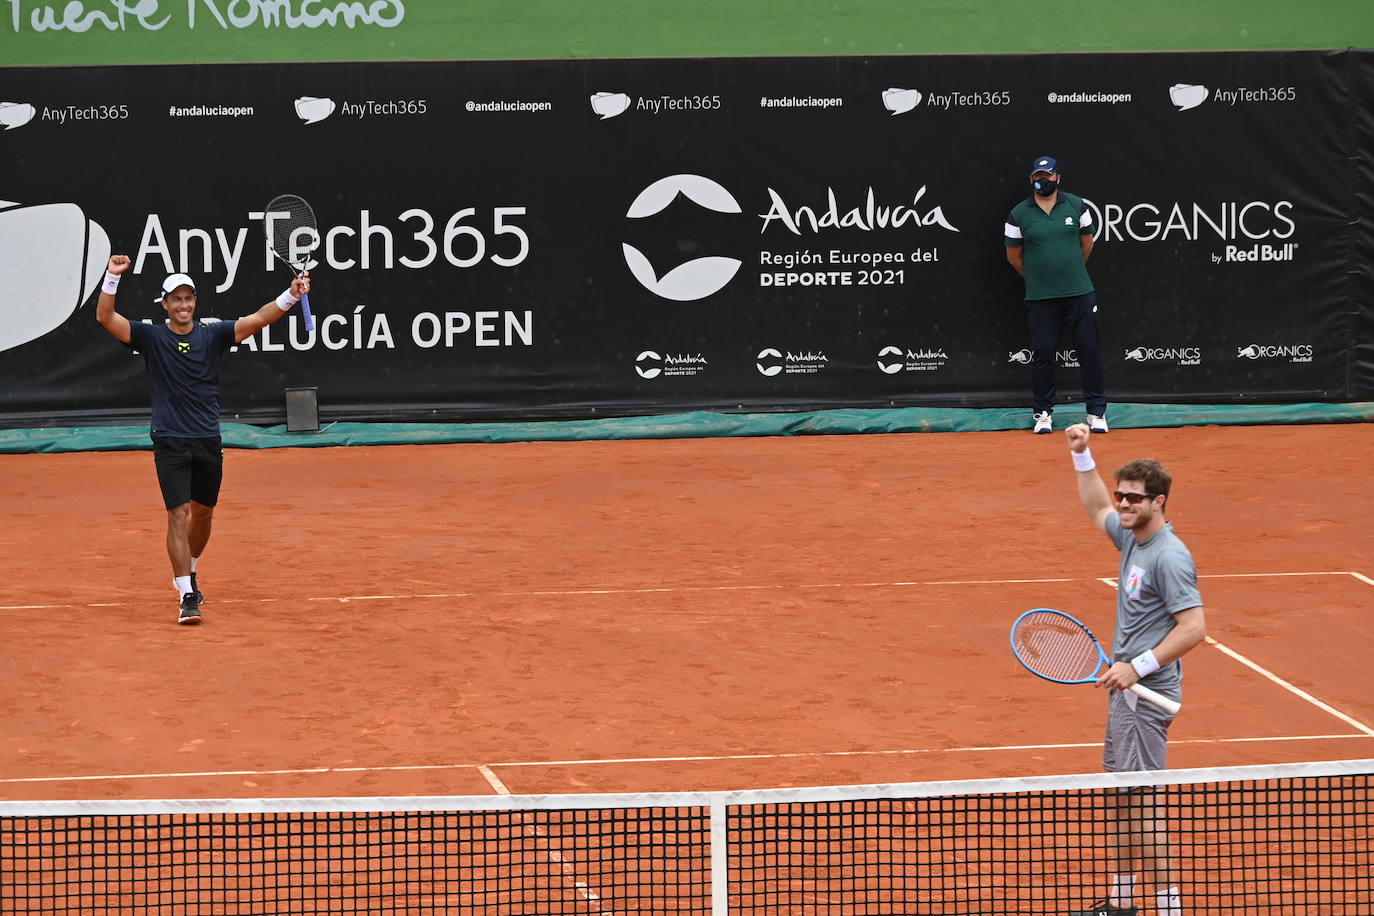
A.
pixel 578 238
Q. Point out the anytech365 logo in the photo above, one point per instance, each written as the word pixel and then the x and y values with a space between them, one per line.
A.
pixel 691 280
pixel 16 114
pixel 900 101
pixel 312 110
pixel 54 260
pixel 609 104
pixel 1186 95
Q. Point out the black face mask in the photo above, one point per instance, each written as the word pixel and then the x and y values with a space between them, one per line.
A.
pixel 1044 186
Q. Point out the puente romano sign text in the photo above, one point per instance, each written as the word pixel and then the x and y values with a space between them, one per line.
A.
pixel 78 16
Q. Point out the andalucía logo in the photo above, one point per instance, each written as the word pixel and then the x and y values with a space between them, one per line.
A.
pixel 771 362
pixel 869 216
pixel 892 360
pixel 652 364
pixel 691 280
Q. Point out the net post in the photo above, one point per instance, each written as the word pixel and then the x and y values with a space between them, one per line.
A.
pixel 720 862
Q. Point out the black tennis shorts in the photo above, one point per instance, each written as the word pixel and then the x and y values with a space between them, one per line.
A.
pixel 188 469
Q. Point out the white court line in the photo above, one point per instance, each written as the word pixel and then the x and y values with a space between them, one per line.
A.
pixel 493 779
pixel 985 581
pixel 345 599
pixel 1365 579
pixel 486 771
pixel 541 837
pixel 1265 672
pixel 1296 691
pixel 1339 572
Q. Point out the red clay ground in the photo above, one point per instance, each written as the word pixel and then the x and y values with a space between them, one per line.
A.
pixel 400 615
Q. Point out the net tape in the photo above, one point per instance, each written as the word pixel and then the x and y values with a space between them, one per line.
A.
pixel 1267 840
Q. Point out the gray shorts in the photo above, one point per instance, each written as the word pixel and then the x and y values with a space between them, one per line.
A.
pixel 1137 732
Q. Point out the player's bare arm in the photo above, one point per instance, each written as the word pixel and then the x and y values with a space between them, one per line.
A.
pixel 1086 240
pixel 1092 492
pixel 1190 630
pixel 249 325
pixel 1016 258
pixel 105 312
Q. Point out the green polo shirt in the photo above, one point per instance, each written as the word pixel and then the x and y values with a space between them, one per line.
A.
pixel 1053 258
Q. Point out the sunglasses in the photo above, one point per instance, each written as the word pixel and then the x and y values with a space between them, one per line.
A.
pixel 1134 499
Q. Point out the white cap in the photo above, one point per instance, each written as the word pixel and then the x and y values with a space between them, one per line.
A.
pixel 172 282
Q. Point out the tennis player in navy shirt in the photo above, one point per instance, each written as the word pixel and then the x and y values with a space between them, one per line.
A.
pixel 182 357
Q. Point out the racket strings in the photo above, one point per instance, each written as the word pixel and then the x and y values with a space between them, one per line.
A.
pixel 293 232
pixel 1055 648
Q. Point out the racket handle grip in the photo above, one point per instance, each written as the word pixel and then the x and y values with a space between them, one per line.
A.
pixel 1163 702
pixel 305 310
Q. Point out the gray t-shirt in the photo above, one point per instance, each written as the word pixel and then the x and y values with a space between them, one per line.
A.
pixel 1156 581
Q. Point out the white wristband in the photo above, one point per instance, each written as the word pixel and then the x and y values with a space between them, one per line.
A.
pixel 1145 663
pixel 286 300
pixel 1083 461
pixel 111 284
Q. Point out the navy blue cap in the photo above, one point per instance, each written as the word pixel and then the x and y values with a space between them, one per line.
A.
pixel 1045 164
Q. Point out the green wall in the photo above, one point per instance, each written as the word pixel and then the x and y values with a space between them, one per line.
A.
pixel 74 32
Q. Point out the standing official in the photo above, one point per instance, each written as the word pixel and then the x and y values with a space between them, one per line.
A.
pixel 1048 240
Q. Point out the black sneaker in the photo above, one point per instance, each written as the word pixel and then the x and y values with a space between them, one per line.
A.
pixel 1105 908
pixel 200 599
pixel 190 609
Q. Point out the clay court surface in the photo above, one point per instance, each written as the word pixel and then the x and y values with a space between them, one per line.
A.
pixel 658 615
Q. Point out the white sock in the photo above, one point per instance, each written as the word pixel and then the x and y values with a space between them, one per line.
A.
pixel 1123 890
pixel 182 584
pixel 1170 904
pixel 194 561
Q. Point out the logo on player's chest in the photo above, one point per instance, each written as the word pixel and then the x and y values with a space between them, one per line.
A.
pixel 1135 581
pixel 183 347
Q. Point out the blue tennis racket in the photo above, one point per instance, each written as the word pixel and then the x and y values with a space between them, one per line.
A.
pixel 1059 648
pixel 293 236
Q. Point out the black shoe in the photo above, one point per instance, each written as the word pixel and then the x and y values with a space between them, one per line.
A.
pixel 1105 908
pixel 190 609
pixel 200 599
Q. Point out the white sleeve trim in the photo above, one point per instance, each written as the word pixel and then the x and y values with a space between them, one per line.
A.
pixel 1013 231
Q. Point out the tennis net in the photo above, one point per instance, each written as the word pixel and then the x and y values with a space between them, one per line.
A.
pixel 1283 839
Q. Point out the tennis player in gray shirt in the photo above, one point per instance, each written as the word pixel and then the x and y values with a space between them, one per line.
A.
pixel 1159 618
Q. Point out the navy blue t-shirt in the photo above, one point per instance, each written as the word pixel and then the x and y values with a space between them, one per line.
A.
pixel 183 375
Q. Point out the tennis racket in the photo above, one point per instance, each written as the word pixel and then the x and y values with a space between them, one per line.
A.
pixel 1059 648
pixel 293 237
